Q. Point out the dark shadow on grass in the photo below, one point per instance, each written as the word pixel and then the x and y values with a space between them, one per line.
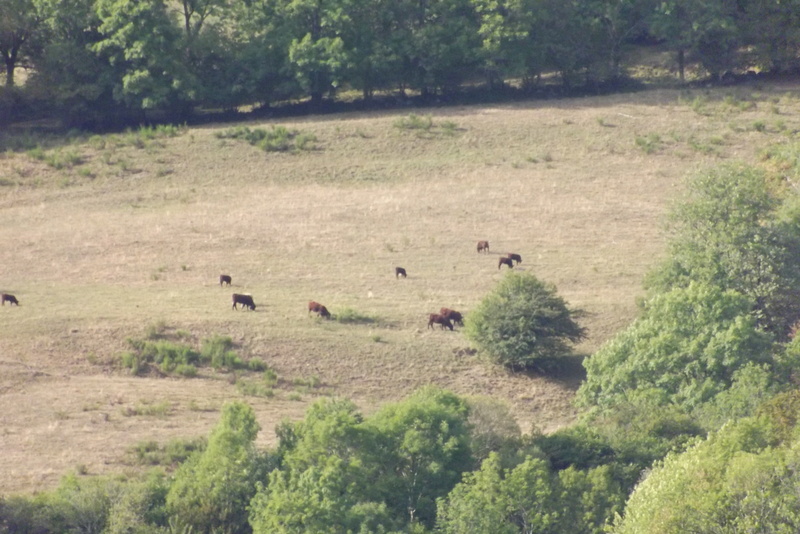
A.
pixel 567 370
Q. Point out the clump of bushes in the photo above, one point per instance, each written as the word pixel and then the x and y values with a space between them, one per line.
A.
pixel 276 139
pixel 170 354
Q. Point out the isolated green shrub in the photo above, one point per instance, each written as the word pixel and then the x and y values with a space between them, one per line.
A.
pixel 523 323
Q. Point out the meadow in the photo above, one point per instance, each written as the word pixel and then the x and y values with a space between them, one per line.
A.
pixel 124 236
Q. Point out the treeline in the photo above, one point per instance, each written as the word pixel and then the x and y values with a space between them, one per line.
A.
pixel 688 420
pixel 97 63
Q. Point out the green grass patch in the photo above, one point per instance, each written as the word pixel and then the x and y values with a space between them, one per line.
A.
pixel 351 316
pixel 650 143
pixel 158 409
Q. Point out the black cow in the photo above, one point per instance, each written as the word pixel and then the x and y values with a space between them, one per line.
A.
pixel 505 261
pixel 436 318
pixel 224 279
pixel 245 300
pixel 8 297
pixel 452 315
pixel 483 246
pixel 319 309
pixel 399 271
pixel 516 257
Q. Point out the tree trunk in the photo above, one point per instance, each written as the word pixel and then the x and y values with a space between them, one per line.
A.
pixel 10 61
pixel 682 64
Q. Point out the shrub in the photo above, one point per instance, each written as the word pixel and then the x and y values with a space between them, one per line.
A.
pixel 523 323
pixel 351 316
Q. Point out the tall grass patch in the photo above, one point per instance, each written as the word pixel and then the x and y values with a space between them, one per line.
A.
pixel 276 139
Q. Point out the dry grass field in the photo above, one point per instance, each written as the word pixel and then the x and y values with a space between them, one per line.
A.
pixel 123 239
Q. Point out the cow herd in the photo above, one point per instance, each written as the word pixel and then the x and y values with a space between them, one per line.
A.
pixel 446 318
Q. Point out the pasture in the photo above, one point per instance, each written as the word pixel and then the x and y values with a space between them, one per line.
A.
pixel 105 239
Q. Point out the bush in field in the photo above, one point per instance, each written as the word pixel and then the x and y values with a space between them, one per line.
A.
pixel 523 323
pixel 276 139
pixel 216 351
pixel 180 359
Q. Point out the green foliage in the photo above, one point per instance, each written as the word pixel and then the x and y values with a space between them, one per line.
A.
pixel 523 323
pixel 414 122
pixel 650 143
pixel 684 350
pixel 530 498
pixel 158 350
pixel 351 316
pixel 733 231
pixel 577 446
pixel 111 505
pixel 342 473
pixel 213 488
pixel 735 481
pixel 276 139
pixel 173 453
pixel 164 354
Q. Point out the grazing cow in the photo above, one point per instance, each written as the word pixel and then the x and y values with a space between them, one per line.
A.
pixel 483 246
pixel 452 315
pixel 319 309
pixel 440 320
pixel 505 261
pixel 245 300
pixel 399 271
pixel 11 299
pixel 516 257
pixel 224 279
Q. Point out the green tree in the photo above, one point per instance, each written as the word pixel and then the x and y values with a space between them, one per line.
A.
pixel 423 448
pixel 20 21
pixel 141 43
pixel 773 28
pixel 740 479
pixel 530 498
pixel 707 30
pixel 512 44
pixel 735 231
pixel 326 480
pixel 683 351
pixel 523 322
pixel 212 489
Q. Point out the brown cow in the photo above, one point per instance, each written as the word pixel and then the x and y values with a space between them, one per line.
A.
pixel 319 309
pixel 245 300
pixel 505 261
pixel 440 320
pixel 452 315
pixel 399 271
pixel 9 298
pixel 224 279
pixel 483 246
pixel 516 257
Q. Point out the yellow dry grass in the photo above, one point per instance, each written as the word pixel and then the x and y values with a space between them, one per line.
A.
pixel 131 237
